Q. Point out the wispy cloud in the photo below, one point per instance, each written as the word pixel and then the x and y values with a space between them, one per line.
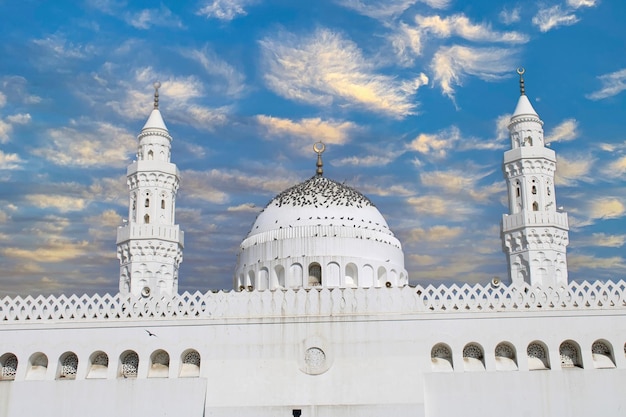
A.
pixel 612 84
pixel 509 16
pixel 51 251
pixel 56 47
pixel 368 160
pixel 389 8
pixel 147 18
pixel 303 132
pixel 232 80
pixel 184 94
pixel 225 9
pixel 577 261
pixel 9 161
pixel 62 203
pixel 607 208
pixel 437 206
pixel 461 183
pixel 565 131
pixel 460 25
pixel 6 125
pixel 435 144
pixel 582 3
pixel 87 144
pixel 325 68
pixel 434 234
pixel 452 63
pixel 553 17
pixel 571 170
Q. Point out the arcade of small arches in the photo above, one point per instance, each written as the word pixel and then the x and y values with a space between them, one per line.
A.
pixel 537 356
pixel 98 365
pixel 316 275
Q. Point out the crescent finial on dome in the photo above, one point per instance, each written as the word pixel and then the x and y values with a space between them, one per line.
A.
pixel 522 89
pixel 319 149
pixel 156 85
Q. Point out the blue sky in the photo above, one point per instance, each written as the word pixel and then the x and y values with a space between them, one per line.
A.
pixel 411 97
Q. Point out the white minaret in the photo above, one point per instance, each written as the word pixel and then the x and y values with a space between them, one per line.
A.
pixel 150 245
pixel 534 233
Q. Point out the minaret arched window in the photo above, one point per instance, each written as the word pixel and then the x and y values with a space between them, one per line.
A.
pixel 315 274
pixel 150 155
pixel 146 219
pixel 535 206
pixel 147 203
pixel 163 204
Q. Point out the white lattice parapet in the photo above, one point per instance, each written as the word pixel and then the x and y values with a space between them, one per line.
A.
pixel 598 295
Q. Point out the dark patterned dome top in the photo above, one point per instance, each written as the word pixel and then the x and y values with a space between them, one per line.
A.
pixel 319 191
pixel 320 201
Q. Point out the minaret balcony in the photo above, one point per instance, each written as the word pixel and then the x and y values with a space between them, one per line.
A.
pixel 152 166
pixel 534 219
pixel 171 233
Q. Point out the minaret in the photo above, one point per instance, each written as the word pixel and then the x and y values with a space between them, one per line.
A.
pixel 534 233
pixel 150 244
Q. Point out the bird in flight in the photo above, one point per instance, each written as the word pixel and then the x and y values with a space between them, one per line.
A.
pixel 150 333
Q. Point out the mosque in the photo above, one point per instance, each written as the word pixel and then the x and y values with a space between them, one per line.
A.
pixel 322 320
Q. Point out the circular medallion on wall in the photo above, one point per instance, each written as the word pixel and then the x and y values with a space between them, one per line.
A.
pixel 314 359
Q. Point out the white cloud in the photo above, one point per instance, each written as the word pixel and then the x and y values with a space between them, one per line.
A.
pixel 582 3
pixel 460 183
pixel 616 169
pixel 437 206
pixel 182 93
pixel 604 240
pixel 451 64
pixel 233 81
pixel 406 42
pixel 367 161
pixel 576 262
pixel 507 16
pixel 571 170
pixel 59 202
pixel 435 144
pixel 57 47
pixel 307 131
pixel 19 119
pixel 88 144
pixel 384 10
pixel 607 208
pixel 224 9
pixel 245 208
pixel 51 251
pixel 553 17
pixel 435 234
pixel 6 126
pixel 147 18
pixel 324 68
pixel 565 131
pixel 612 84
pixel 3 100
pixel 460 25
pixel 10 161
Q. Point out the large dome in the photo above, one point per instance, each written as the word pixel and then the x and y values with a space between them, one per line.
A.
pixel 320 233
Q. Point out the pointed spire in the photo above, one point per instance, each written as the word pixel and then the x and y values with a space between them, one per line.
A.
pixel 319 148
pixel 156 85
pixel 522 89
pixel 523 104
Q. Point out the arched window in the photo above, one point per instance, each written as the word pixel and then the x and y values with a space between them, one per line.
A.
pixel 147 203
pixel 99 365
pixel 535 206
pixel 8 367
pixel 473 357
pixel 38 366
pixel 315 275
pixel 163 204
pixel 129 365
pixel 69 366
pixel 190 364
pixel 150 155
pixel 534 189
pixel 505 357
pixel 518 190
pixel 570 355
pixel 146 219
pixel 537 357
pixel 441 358
pixel 160 364
pixel 602 355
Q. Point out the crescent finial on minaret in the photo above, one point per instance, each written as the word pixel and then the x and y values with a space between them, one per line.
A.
pixel 319 148
pixel 522 89
pixel 156 85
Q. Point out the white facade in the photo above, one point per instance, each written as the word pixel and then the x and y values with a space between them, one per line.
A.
pixel 345 338
pixel 535 231
pixel 150 244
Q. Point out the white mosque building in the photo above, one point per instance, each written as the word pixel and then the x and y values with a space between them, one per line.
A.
pixel 321 321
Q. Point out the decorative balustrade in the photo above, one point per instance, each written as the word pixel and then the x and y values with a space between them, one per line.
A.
pixel 599 295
